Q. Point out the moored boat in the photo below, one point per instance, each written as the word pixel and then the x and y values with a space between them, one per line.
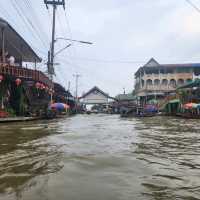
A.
pixel 146 111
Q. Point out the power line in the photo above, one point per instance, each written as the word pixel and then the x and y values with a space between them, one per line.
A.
pixel 35 18
pixel 193 5
pixel 60 23
pixel 7 15
pixel 67 24
pixel 90 72
pixel 108 61
pixel 26 20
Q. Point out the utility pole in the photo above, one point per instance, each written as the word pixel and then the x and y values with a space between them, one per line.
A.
pixel 124 90
pixel 76 84
pixel 50 63
pixel 69 85
pixel 3 44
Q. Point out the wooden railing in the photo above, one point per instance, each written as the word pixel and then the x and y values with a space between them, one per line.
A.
pixel 20 72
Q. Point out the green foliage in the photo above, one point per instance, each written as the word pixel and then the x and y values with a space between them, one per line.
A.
pixel 11 112
pixel 21 101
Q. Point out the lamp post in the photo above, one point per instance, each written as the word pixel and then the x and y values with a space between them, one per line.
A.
pixel 72 40
pixel 69 45
pixel 61 50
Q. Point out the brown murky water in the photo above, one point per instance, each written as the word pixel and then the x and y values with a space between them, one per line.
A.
pixel 100 157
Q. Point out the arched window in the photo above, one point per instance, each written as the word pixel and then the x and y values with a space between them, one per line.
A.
pixel 180 81
pixel 172 82
pixel 156 82
pixel 142 83
pixel 189 80
pixel 149 82
pixel 164 82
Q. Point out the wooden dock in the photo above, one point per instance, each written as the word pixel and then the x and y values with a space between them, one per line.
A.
pixel 18 119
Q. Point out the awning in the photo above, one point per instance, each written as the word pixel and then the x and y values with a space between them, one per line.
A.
pixel 190 105
pixel 16 45
pixel 153 101
pixel 174 101
pixel 195 83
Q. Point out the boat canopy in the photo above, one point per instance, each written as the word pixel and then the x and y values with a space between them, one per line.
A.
pixel 172 106
pixel 190 105
pixel 174 101
pixel 195 83
pixel 15 45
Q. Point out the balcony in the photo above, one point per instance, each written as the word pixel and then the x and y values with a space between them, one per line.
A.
pixel 158 88
pixel 168 76
pixel 20 72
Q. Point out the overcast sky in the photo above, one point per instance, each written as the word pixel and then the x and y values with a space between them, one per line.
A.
pixel 125 33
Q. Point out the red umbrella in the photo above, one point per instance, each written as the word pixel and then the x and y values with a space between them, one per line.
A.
pixel 188 106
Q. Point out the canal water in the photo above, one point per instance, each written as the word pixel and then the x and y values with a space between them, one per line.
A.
pixel 100 157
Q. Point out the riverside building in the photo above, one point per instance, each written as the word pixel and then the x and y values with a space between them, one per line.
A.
pixel 156 81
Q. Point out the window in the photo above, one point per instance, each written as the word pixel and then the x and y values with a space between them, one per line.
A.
pixel 142 83
pixel 189 80
pixel 173 83
pixel 156 82
pixel 180 81
pixel 164 82
pixel 149 82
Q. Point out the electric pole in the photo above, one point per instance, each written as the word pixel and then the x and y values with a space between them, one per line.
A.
pixel 50 63
pixel 124 90
pixel 69 85
pixel 76 84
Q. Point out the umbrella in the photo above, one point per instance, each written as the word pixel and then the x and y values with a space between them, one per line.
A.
pixel 194 105
pixel 59 106
pixel 150 108
pixel 189 105
pixel 66 106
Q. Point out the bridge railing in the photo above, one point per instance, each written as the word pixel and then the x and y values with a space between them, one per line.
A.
pixel 20 72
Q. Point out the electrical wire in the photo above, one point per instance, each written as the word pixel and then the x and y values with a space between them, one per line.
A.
pixel 108 61
pixel 26 20
pixel 193 5
pixel 34 17
pixel 68 27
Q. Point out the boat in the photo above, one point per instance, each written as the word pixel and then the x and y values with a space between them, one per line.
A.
pixel 146 111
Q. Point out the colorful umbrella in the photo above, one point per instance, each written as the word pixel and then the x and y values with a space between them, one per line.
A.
pixel 59 106
pixel 189 105
pixel 66 106
pixel 150 108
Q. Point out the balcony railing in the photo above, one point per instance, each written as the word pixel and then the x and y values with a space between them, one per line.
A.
pixel 20 72
pixel 159 88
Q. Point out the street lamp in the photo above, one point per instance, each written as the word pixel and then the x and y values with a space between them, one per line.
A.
pixel 68 39
pixel 61 50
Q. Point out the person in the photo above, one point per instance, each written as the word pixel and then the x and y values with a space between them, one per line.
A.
pixel 11 60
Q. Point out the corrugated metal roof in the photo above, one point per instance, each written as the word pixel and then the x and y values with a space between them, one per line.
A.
pixel 16 45
pixel 125 97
